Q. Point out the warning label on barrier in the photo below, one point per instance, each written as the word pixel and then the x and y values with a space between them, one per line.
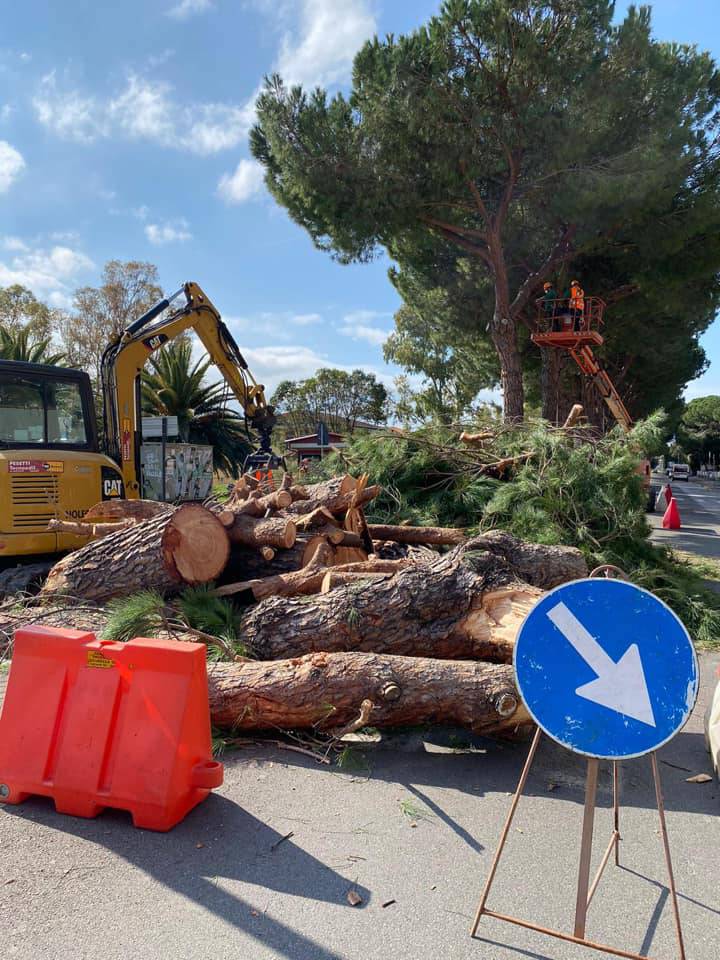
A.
pixel 96 659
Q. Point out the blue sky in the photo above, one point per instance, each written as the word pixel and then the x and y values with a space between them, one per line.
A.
pixel 123 134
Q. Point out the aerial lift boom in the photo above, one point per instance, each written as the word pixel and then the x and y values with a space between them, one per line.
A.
pixel 578 342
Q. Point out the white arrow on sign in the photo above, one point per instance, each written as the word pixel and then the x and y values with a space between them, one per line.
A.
pixel 619 686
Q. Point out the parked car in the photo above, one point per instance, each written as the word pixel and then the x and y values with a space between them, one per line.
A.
pixel 679 471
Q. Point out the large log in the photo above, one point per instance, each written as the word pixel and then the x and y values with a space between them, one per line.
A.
pixel 324 691
pixel 417 535
pixel 187 545
pixel 466 604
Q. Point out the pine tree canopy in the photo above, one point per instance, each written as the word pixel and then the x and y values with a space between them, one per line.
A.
pixel 522 134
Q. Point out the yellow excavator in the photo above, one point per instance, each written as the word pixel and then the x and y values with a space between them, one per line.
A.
pixel 51 464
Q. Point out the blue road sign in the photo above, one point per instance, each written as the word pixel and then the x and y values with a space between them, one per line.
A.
pixel 606 669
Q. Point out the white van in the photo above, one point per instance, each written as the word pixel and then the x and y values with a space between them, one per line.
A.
pixel 680 471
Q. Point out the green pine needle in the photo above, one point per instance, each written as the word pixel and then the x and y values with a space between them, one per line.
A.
pixel 135 616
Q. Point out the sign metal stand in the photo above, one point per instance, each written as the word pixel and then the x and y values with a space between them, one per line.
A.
pixel 639 699
pixel 585 889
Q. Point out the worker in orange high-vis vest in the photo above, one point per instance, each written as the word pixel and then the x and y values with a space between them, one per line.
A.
pixel 576 304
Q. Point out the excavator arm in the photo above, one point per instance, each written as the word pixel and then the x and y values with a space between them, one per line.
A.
pixel 122 366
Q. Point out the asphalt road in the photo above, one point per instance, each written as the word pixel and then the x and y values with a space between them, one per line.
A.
pixel 412 828
pixel 699 505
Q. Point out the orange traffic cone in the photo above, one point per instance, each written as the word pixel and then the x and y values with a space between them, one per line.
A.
pixel 671 520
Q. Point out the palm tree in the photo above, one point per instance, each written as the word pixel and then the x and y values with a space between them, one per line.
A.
pixel 174 386
pixel 18 345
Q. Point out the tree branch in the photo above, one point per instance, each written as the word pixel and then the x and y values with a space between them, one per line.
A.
pixel 455 235
pixel 560 252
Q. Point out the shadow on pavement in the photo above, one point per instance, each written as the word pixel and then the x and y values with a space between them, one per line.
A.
pixel 235 846
pixel 495 768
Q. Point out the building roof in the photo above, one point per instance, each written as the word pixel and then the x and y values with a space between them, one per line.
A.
pixel 312 438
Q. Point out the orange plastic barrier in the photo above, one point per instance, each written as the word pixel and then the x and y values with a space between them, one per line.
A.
pixel 94 724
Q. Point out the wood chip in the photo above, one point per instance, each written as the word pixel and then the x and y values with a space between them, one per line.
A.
pixel 699 778
pixel 354 898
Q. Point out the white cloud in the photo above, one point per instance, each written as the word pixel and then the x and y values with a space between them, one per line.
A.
pixel 358 325
pixel 68 113
pixel 47 272
pixel 272 326
pixel 6 111
pixel 242 185
pixel 330 34
pixel 65 236
pixel 186 8
pixel 361 331
pixel 173 231
pixel 15 244
pixel 305 319
pixel 143 110
pixel 12 165
pixel 25 57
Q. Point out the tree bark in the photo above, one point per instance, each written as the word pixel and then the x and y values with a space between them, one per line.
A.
pixel 324 691
pixel 504 337
pixel 550 361
pixel 246 563
pixel 127 510
pixel 187 545
pixel 466 604
pixel 417 535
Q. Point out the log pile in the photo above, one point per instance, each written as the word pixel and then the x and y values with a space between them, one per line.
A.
pixel 341 619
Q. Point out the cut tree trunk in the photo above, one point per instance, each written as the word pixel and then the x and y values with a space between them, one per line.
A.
pixel 258 506
pixel 466 604
pixel 334 502
pixel 187 545
pixel 324 691
pixel 309 579
pixel 421 535
pixel 272 531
